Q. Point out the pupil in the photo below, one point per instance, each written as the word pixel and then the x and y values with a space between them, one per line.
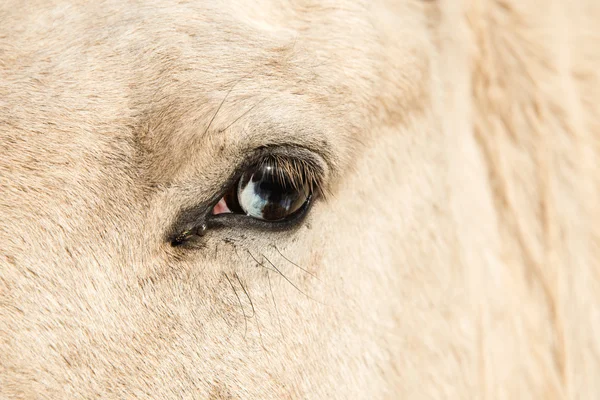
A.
pixel 267 186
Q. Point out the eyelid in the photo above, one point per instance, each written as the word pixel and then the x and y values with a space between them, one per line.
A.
pixel 200 216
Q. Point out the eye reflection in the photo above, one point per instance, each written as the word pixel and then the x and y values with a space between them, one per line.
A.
pixel 266 192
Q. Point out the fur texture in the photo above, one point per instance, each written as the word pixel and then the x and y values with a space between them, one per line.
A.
pixel 455 255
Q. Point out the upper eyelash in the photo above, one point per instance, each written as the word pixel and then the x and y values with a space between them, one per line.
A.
pixel 295 171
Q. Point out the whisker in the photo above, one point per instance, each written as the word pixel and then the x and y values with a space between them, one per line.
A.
pixel 294 264
pixel 241 306
pixel 244 114
pixel 259 263
pixel 236 252
pixel 254 258
pixel 275 304
pixel 223 102
pixel 236 276
pixel 253 311
pixel 289 281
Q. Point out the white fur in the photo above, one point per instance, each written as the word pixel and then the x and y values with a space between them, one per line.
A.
pixel 456 255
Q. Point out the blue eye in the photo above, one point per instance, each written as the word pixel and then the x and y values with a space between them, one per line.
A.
pixel 266 192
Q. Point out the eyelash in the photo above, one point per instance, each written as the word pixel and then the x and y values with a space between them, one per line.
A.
pixel 303 166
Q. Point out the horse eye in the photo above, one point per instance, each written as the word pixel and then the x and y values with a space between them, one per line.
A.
pixel 266 192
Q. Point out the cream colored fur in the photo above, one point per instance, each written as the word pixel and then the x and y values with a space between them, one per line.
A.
pixel 455 257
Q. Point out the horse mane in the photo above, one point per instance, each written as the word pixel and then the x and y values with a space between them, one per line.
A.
pixel 535 85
